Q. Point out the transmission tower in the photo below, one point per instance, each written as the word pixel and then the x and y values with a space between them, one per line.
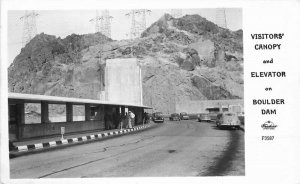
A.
pixel 96 20
pixel 176 13
pixel 138 22
pixel 106 23
pixel 221 17
pixel 29 26
pixel 103 23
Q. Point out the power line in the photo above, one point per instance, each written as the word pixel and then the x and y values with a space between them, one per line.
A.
pixel 138 22
pixel 29 26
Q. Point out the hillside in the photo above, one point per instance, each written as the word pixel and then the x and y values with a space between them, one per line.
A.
pixel 188 58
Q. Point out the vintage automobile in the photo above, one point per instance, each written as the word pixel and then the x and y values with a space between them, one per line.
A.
pixel 174 117
pixel 204 117
pixel 228 120
pixel 214 111
pixel 184 116
pixel 158 117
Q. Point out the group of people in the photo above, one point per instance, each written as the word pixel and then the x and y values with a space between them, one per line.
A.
pixel 118 121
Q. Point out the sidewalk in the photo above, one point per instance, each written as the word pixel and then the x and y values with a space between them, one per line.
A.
pixel 55 141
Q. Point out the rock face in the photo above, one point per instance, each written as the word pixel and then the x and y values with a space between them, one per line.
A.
pixel 188 58
pixel 54 66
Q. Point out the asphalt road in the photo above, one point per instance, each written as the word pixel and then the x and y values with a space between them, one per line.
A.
pixel 186 148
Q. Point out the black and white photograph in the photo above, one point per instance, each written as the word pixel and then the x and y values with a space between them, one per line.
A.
pixel 145 92
pixel 126 93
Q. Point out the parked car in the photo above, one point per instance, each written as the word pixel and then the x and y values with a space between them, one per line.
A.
pixel 184 116
pixel 158 117
pixel 174 117
pixel 213 112
pixel 228 119
pixel 150 116
pixel 204 117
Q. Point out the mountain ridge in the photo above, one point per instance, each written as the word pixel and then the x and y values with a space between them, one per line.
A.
pixel 190 55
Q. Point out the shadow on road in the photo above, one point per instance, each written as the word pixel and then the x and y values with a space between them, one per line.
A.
pixel 224 128
pixel 223 164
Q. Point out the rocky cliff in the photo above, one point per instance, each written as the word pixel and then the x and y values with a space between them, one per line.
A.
pixel 188 58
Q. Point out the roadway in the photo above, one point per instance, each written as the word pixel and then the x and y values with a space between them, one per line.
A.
pixel 185 148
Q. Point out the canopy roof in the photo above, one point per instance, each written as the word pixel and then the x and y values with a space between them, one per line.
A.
pixel 30 98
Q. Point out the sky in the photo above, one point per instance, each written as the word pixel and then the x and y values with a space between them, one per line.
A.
pixel 62 23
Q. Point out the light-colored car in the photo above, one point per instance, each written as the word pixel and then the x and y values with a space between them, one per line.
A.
pixel 184 116
pixel 204 117
pixel 228 119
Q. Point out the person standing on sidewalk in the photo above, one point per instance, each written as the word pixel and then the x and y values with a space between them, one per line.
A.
pixel 144 117
pixel 129 125
pixel 132 118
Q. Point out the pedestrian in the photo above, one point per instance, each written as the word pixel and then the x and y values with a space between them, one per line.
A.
pixel 144 117
pixel 132 118
pixel 122 121
pixel 129 119
pixel 106 121
pixel 125 120
pixel 116 119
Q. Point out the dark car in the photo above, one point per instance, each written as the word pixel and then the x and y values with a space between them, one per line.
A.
pixel 174 117
pixel 158 117
pixel 184 116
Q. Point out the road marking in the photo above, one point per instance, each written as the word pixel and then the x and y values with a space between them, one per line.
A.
pixel 22 148
pixel 84 138
pixel 52 143
pixel 75 140
pixel 38 146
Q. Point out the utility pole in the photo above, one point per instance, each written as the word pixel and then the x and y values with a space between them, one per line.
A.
pixel 103 23
pixel 176 13
pixel 138 22
pixel 29 26
pixel 221 17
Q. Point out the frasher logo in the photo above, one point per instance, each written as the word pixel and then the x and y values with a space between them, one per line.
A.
pixel 268 125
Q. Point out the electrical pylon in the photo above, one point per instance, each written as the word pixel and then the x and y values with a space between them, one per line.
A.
pixel 221 17
pixel 103 23
pixel 29 26
pixel 138 22
pixel 97 21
